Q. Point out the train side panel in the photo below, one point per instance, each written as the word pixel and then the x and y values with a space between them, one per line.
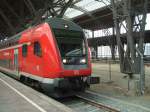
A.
pixel 48 64
pixel 8 62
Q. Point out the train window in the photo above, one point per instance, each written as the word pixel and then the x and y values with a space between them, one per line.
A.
pixel 37 49
pixel 24 50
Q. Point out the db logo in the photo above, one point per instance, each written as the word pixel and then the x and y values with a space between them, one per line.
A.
pixel 76 72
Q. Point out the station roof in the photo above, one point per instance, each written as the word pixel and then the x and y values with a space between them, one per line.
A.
pixel 17 15
pixel 84 7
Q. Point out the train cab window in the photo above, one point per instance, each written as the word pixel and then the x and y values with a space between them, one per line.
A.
pixel 37 49
pixel 24 50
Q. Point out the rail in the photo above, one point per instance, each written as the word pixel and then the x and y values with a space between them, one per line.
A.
pixel 97 104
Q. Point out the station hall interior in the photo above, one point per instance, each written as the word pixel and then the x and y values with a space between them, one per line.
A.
pixel 116 38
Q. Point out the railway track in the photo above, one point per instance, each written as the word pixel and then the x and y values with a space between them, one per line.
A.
pixel 93 102
pixel 81 103
pixel 97 104
pixel 114 104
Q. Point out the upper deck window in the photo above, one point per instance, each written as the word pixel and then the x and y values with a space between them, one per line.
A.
pixel 24 50
pixel 37 49
pixel 67 33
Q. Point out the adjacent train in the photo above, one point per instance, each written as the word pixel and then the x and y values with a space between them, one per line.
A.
pixel 53 55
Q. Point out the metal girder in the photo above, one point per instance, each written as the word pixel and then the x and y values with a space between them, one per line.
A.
pixel 131 15
pixel 55 8
pixel 140 44
pixel 64 8
pixel 134 16
pixel 130 41
pixel 128 15
pixel 123 11
pixel 118 35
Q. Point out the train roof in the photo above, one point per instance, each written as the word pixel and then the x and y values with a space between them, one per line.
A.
pixel 59 23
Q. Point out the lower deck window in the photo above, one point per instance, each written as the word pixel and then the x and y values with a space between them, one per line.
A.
pixel 24 50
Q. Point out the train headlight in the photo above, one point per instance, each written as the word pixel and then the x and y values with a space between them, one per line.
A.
pixel 64 61
pixel 83 61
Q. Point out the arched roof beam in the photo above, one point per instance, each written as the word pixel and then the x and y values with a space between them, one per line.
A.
pixel 30 7
pixel 64 8
pixel 7 21
pixel 56 8
pixel 10 8
pixel 12 11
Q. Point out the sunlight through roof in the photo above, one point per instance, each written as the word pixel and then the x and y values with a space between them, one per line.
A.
pixel 89 5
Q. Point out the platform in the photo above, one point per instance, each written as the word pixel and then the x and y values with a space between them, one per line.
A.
pixel 117 87
pixel 17 97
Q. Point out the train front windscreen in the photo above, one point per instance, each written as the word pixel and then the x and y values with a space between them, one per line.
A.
pixel 72 47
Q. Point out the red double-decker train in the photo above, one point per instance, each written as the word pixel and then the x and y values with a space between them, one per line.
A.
pixel 53 55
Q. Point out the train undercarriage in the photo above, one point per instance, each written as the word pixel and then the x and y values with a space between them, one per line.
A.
pixel 62 87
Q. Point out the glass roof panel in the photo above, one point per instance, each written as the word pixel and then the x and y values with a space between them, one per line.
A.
pixel 89 5
pixel 72 13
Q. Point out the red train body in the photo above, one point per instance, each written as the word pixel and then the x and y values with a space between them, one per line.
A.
pixel 55 54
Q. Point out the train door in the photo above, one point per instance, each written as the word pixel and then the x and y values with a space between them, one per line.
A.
pixel 16 65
